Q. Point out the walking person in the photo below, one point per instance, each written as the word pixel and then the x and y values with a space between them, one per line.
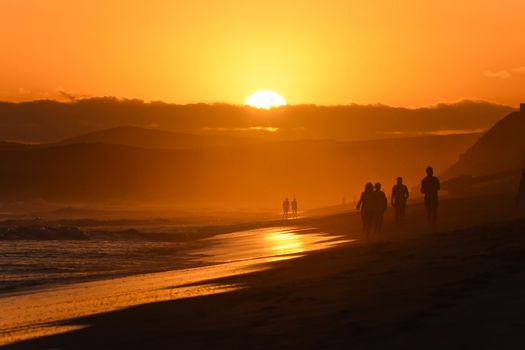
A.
pixel 381 206
pixel 430 187
pixel 367 206
pixel 286 208
pixel 294 208
pixel 520 198
pixel 399 200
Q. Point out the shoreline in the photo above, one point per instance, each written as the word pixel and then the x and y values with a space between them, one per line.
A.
pixel 387 294
pixel 395 291
pixel 35 312
pixel 175 244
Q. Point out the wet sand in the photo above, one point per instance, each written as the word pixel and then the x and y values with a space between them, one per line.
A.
pixel 461 287
pixel 37 312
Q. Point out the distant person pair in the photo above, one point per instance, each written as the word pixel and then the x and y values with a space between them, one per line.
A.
pixel 286 208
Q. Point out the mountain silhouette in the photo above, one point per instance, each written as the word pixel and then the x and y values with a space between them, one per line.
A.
pixel 500 149
pixel 13 146
pixel 249 176
pixel 494 163
pixel 153 138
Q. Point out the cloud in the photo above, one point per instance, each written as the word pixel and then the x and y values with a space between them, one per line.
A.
pixel 437 132
pixel 501 74
pixel 251 128
pixel 67 95
pixel 504 73
pixel 519 70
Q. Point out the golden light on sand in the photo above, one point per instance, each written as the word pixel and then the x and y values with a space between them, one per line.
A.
pixel 284 242
pixel 265 99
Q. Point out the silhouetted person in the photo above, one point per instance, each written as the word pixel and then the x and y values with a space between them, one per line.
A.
pixel 367 205
pixel 520 199
pixel 430 187
pixel 294 207
pixel 380 208
pixel 286 208
pixel 399 199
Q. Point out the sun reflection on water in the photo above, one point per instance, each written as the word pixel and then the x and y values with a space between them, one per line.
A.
pixel 284 243
pixel 40 313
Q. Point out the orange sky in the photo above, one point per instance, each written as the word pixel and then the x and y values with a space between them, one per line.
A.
pixel 408 53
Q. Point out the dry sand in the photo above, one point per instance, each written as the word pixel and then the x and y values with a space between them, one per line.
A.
pixel 462 287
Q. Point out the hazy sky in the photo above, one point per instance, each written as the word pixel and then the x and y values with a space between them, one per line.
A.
pixel 402 52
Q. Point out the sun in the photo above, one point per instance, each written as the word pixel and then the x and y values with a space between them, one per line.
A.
pixel 265 99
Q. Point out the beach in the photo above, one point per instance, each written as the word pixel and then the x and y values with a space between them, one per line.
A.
pixel 32 308
pixel 262 175
pixel 460 286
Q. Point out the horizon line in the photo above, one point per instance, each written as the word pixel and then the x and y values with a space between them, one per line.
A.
pixel 212 104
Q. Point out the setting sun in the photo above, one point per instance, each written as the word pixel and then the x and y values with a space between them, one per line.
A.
pixel 265 99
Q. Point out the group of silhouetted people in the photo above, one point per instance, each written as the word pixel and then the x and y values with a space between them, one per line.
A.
pixel 373 202
pixel 286 208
